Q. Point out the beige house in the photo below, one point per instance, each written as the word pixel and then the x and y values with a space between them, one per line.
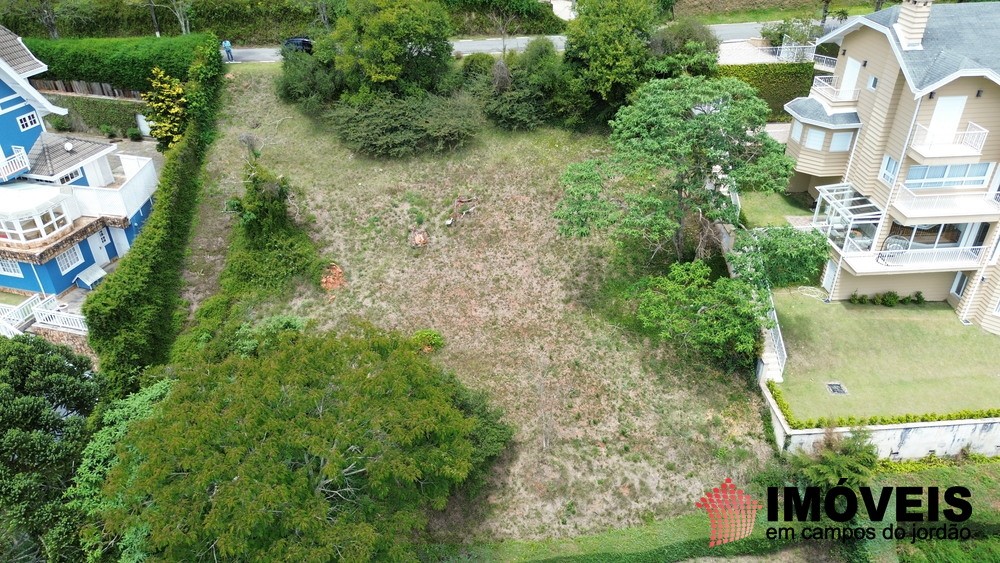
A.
pixel 900 147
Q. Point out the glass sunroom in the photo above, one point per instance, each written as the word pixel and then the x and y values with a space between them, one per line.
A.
pixel 849 219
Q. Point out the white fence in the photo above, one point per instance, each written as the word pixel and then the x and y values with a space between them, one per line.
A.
pixel 779 341
pixel 13 164
pixel 974 137
pixel 47 312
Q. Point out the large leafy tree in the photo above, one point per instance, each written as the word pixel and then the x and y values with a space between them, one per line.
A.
pixel 324 448
pixel 393 44
pixel 608 44
pixel 721 319
pixel 675 146
pixel 46 393
pixel 48 13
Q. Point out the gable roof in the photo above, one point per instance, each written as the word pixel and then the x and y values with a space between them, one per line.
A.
pixel 960 40
pixel 17 56
pixel 49 158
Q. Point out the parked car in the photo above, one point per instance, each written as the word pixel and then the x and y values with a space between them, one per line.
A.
pixel 303 44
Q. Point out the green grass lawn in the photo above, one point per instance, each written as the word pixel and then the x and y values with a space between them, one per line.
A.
pixel 908 359
pixel 11 298
pixel 778 14
pixel 770 210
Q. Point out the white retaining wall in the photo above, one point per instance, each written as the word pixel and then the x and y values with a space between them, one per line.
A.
pixel 912 440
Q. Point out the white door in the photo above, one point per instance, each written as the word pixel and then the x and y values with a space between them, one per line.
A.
pixel 944 121
pixel 98 241
pixel 850 79
pixel 828 275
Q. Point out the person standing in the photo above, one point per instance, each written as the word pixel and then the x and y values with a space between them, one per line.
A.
pixel 228 48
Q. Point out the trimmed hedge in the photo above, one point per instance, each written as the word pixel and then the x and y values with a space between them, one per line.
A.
pixel 131 315
pixel 823 422
pixel 91 113
pixel 121 62
pixel 777 84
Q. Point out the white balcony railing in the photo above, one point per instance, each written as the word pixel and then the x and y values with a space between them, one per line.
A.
pixel 120 199
pixel 968 142
pixel 829 87
pixel 10 166
pixel 825 62
pixel 928 257
pixel 914 203
pixel 47 312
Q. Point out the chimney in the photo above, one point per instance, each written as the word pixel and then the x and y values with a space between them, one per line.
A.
pixel 911 23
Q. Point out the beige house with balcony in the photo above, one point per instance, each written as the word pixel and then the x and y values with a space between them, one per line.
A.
pixel 900 146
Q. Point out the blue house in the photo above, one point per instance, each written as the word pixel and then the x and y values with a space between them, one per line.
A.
pixel 68 206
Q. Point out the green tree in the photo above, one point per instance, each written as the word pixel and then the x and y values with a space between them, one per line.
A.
pixel 166 109
pixel 46 394
pixel 393 44
pixel 607 44
pixel 48 13
pixel 779 256
pixel 324 447
pixel 721 320
pixel 674 147
pixel 849 460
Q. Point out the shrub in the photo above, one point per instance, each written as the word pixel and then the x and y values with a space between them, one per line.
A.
pixel 918 298
pixel 397 127
pixel 133 133
pixel 427 339
pixel 890 299
pixel 877 299
pixel 306 77
pixel 786 256
pixel 166 104
pixel 60 123
pixel 108 131
pixel 798 30
pixel 477 65
pixel 776 84
pixel 515 110
pixel 905 300
pixel 121 62
pixel 90 113
pixel 854 297
pixel 863 299
pixel 671 39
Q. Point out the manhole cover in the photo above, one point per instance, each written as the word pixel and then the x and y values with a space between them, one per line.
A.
pixel 836 388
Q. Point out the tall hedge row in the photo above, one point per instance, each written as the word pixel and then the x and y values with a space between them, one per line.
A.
pixel 122 62
pixel 777 84
pixel 131 315
pixel 91 113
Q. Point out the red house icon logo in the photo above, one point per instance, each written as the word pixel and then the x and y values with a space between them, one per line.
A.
pixel 731 513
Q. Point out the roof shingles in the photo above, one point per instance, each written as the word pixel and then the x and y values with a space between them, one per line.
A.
pixel 14 53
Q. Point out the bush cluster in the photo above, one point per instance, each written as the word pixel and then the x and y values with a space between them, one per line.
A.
pixel 779 256
pixel 398 127
pixel 131 315
pixel 887 299
pixel 122 62
pixel 776 84
pixel 847 421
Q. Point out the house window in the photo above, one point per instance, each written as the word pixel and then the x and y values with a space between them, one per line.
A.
pixel 815 139
pixel 27 121
pixel 69 259
pixel 948 175
pixel 872 82
pixel 36 227
pixel 889 169
pixel 10 268
pixel 71 176
pixel 841 142
pixel 796 133
pixel 958 288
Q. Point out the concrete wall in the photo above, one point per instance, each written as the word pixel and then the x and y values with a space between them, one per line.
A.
pixel 899 441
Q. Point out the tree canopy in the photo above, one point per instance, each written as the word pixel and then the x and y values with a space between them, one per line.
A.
pixel 608 44
pixel 46 394
pixel 327 447
pixel 393 44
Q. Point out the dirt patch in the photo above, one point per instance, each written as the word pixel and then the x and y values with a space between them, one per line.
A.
pixel 610 428
pixel 333 278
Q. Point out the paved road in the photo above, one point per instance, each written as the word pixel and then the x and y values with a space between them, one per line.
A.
pixel 725 32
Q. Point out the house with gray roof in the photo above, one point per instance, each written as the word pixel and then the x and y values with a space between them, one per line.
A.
pixel 69 207
pixel 899 147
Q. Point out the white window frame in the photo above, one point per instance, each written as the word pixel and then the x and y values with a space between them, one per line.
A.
pixel 946 180
pixel 888 173
pixel 73 175
pixel 10 268
pixel 796 132
pixel 958 286
pixel 872 82
pixel 810 139
pixel 28 121
pixel 840 146
pixel 63 260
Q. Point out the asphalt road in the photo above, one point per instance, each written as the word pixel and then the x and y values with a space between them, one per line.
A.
pixel 725 32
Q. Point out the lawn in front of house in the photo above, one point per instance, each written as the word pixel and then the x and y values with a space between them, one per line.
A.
pixel 772 210
pixel 724 15
pixel 907 359
pixel 11 298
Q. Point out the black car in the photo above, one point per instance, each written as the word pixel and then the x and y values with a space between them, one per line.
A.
pixel 303 44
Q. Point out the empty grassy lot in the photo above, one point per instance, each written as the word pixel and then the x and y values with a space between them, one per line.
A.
pixel 611 430
pixel 907 359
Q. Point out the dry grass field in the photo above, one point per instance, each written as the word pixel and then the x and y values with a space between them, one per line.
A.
pixel 611 430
